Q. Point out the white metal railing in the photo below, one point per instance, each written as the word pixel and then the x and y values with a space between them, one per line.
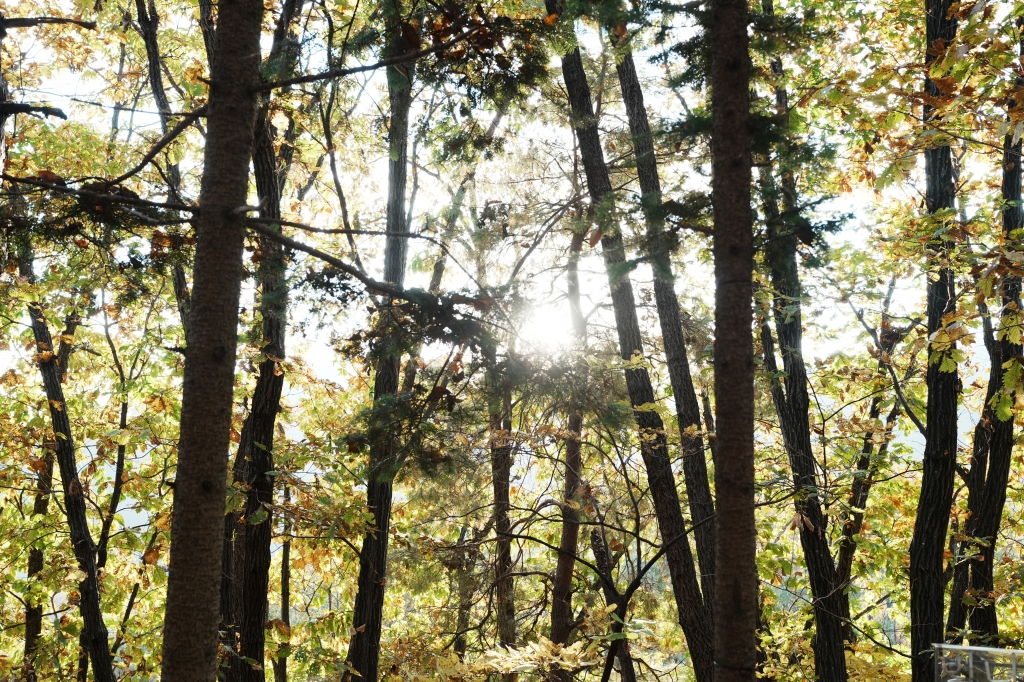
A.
pixel 977 664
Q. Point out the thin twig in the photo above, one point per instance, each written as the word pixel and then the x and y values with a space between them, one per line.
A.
pixel 370 283
pixel 892 373
pixel 390 61
pixel 112 198
pixel 161 143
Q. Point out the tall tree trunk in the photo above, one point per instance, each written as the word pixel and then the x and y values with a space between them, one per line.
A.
pixel 736 571
pixel 562 621
pixel 41 503
pixel 792 405
pixel 256 445
pixel 695 469
pixel 989 512
pixel 501 473
pixel 149 25
pixel 928 546
pixel 364 648
pixel 193 604
pixel 694 616
pixel 94 632
pixel 993 439
pixel 52 367
pixel 621 653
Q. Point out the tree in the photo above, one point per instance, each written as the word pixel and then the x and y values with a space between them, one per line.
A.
pixel 385 456
pixel 785 229
pixel 736 574
pixel 488 461
pixel 254 461
pixel 927 560
pixel 973 580
pixel 94 633
pixel 698 490
pixel 693 614
pixel 193 601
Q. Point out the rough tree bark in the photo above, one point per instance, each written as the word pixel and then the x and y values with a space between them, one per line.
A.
pixel 193 606
pixel 94 630
pixel 364 647
pixel 993 439
pixel 736 576
pixel 501 473
pixel 255 459
pixel 41 505
pixel 695 469
pixel 928 546
pixel 792 405
pixel 53 367
pixel 562 621
pixel 694 616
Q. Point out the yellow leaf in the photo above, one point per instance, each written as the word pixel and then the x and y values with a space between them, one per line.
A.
pixel 162 521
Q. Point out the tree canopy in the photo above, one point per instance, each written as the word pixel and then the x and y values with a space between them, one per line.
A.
pixel 431 339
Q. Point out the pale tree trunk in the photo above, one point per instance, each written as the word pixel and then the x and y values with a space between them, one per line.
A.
pixel 736 576
pixel 190 640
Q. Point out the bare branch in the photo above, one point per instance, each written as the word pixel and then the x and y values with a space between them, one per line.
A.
pixel 110 198
pixel 370 283
pixel 892 373
pixel 7 108
pixel 390 61
pixel 28 22
pixel 161 143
